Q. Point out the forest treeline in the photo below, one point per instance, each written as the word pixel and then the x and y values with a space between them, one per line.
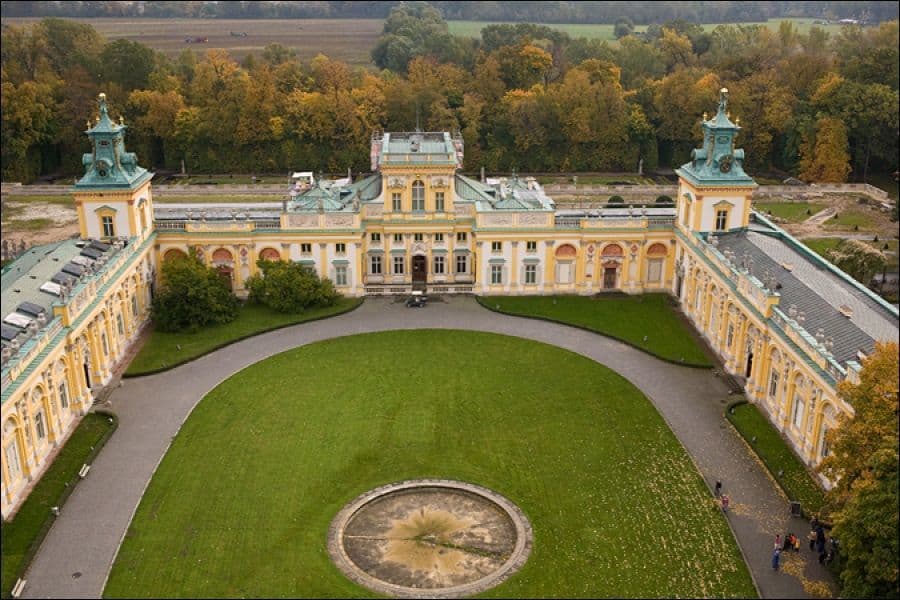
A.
pixel 536 11
pixel 524 96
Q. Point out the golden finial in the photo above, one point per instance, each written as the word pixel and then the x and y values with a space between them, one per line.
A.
pixel 705 115
pixel 728 114
pixel 737 120
pixel 88 123
pixel 102 96
pixel 121 120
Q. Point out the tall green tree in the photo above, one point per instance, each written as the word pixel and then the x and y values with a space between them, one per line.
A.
pixel 823 156
pixel 192 296
pixel 289 287
pixel 863 462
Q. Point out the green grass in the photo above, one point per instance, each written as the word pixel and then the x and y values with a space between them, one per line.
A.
pixel 821 246
pixel 851 219
pixel 795 480
pixel 242 501
pixel 212 198
pixel 628 318
pixel 793 212
pixel 167 350
pixel 605 31
pixel 61 199
pixel 28 224
pixel 34 518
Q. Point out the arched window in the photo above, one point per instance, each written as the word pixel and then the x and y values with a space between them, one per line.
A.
pixel 173 254
pixel 270 254
pixel 222 255
pixel 418 195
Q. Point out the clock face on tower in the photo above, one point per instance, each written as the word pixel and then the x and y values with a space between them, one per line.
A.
pixel 725 163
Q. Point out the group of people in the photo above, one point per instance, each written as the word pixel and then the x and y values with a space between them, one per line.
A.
pixel 817 541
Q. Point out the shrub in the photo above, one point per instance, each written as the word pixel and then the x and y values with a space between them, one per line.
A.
pixel 290 287
pixel 192 296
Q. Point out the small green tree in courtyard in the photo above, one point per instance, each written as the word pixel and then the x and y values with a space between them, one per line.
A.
pixel 863 460
pixel 192 296
pixel 290 287
pixel 858 259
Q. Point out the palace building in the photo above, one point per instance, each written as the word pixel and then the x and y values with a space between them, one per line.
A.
pixel 787 325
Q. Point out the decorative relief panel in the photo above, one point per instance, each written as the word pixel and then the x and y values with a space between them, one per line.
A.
pixel 374 210
pixel 339 221
pixel 396 182
pixel 438 181
pixel 532 219
pixel 303 221
pixel 498 220
pixel 461 209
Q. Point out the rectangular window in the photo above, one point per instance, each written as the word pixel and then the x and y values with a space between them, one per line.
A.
pixel 531 246
pixel 496 274
pixel 721 220
pixel 418 196
pixel 438 265
pixel 773 383
pixel 109 229
pixel 376 237
pixel 340 275
pixel 398 238
pixel 105 346
pixel 654 270
pixel 799 406
pixel 439 238
pixel 396 202
pixel 305 248
pixel 120 325
pixel 729 337
pixel 461 263
pixel 439 201
pixel 375 263
pixel 418 237
pixel 461 236
pixel 496 246
pixel 12 459
pixel 399 263
pixel 63 395
pixel 530 274
pixel 39 425
pixel 134 306
pixel 340 248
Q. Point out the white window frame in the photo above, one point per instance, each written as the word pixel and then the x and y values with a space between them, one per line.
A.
pixel 461 236
pixel 375 264
pixel 376 237
pixel 40 427
pixel 721 220
pixel 63 395
pixel 399 263
pixel 496 274
pixel 109 226
pixel 439 264
pixel 396 202
pixel 531 246
pixel 531 274
pixel 773 382
pixel 462 259
pixel 439 201
pixel 340 275
pixel 340 248
pixel 418 195
pixel 13 464
pixel 306 248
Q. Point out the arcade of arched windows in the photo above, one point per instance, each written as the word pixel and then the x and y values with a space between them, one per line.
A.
pixel 795 400
pixel 51 401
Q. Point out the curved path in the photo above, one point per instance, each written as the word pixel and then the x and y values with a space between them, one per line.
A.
pixel 76 556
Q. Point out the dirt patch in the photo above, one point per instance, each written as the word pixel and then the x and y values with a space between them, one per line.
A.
pixel 38 222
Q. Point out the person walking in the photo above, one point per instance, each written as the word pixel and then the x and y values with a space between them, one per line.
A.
pixel 718 489
pixel 726 502
pixel 778 541
pixel 812 539
pixel 776 558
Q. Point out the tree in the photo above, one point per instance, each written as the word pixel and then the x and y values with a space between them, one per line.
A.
pixel 623 26
pixel 858 259
pixel 863 463
pixel 192 296
pixel 289 287
pixel 127 64
pixel 824 156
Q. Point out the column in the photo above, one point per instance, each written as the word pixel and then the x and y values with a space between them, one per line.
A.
pixel 514 268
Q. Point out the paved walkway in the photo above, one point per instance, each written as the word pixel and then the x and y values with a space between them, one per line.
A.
pixel 76 556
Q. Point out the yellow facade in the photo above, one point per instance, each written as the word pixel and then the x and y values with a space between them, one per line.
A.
pixel 419 224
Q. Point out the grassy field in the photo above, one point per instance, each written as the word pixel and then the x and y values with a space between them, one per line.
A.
pixel 242 501
pixel 34 517
pixel 856 219
pixel 795 480
pixel 793 212
pixel 628 318
pixel 822 245
pixel 349 40
pixel 168 350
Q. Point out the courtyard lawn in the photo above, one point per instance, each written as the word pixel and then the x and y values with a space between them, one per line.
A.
pixel 242 502
pixel 627 318
pixel 22 536
pixel 167 350
pixel 792 212
pixel 795 480
pixel 855 219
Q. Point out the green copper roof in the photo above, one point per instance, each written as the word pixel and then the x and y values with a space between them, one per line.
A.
pixel 109 165
pixel 718 162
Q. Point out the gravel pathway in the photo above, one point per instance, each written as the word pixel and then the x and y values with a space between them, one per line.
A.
pixel 75 558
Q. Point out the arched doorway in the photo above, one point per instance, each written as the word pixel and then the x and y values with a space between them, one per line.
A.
pixel 612 258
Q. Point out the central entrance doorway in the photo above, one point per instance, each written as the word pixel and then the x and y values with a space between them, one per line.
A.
pixel 609 278
pixel 419 272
